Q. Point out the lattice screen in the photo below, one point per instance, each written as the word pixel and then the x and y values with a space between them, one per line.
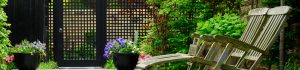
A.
pixel 126 16
pixel 79 22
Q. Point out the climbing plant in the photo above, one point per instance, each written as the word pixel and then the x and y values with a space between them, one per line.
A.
pixel 4 41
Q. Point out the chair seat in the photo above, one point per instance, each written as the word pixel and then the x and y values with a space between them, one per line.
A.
pixel 237 54
pixel 251 58
pixel 160 57
pixel 163 59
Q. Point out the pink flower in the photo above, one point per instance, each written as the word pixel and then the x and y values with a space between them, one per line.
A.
pixel 144 56
pixel 9 59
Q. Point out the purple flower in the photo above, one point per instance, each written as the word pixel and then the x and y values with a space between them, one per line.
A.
pixel 114 46
pixel 121 41
pixel 107 48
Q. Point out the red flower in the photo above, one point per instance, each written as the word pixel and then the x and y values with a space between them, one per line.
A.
pixel 143 57
pixel 9 59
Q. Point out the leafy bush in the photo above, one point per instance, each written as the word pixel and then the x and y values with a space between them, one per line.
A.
pixel 292 64
pixel 4 40
pixel 48 65
pixel 110 64
pixel 228 25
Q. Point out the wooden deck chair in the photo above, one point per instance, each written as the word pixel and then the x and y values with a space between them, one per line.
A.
pixel 251 32
pixel 253 28
pixel 275 23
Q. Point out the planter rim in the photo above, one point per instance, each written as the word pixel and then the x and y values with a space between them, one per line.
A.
pixel 24 53
pixel 125 53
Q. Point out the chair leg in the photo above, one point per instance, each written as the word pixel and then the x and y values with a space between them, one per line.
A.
pixel 212 53
pixel 192 66
pixel 253 67
pixel 239 64
pixel 223 56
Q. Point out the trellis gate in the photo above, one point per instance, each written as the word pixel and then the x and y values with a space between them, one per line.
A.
pixel 79 29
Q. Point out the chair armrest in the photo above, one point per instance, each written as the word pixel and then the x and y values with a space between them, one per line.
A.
pixel 237 43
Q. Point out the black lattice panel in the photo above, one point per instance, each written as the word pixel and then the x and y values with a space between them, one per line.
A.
pixel 79 25
pixel 79 22
pixel 50 29
pixel 126 16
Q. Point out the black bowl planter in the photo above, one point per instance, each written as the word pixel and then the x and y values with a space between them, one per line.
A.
pixel 26 61
pixel 125 61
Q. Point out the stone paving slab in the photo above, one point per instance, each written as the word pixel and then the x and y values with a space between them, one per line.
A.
pixel 81 68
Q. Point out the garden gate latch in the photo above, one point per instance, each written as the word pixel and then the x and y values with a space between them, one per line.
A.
pixel 60 30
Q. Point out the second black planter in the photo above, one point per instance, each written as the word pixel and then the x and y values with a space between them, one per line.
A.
pixel 26 61
pixel 125 61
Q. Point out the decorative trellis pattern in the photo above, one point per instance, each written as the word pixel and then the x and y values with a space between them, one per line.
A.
pixel 50 30
pixel 126 16
pixel 123 17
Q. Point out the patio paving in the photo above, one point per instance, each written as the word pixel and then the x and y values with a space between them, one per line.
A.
pixel 82 68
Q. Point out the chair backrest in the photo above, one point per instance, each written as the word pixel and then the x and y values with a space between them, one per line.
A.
pixel 253 29
pixel 255 24
pixel 275 23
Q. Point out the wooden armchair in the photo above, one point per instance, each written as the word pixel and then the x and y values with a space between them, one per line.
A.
pixel 254 43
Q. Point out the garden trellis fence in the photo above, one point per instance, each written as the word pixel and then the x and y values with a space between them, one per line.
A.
pixel 79 29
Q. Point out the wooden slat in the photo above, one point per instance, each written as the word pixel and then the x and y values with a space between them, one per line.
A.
pixel 279 10
pixel 159 57
pixel 164 60
pixel 269 34
pixel 258 11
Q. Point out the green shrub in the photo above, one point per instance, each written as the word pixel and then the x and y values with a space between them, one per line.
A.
pixel 292 65
pixel 4 41
pixel 48 65
pixel 228 25
pixel 110 64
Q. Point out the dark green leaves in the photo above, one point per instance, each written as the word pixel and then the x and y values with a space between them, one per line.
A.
pixel 227 25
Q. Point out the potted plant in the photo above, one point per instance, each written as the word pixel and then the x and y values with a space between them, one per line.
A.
pixel 125 53
pixel 27 54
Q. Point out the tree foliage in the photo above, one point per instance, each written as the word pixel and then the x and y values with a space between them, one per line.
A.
pixel 4 41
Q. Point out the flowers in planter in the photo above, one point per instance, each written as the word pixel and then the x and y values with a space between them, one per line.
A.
pixel 25 50
pixel 27 47
pixel 119 45
pixel 9 59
